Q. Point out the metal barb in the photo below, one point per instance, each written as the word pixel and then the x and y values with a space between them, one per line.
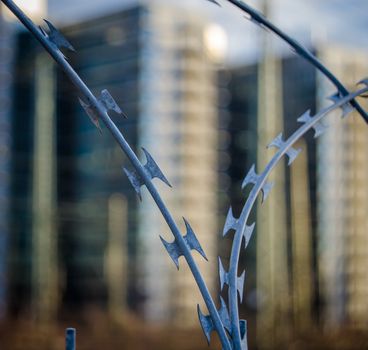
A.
pixel 231 223
pixel 214 2
pixel 318 127
pixel 243 328
pixel 248 234
pixel 223 275
pixel 346 108
pixel 92 114
pixel 291 152
pixel 43 32
pixel 109 103
pixel 190 240
pixel 152 170
pixel 243 334
pixel 363 82
pixel 135 180
pixel 256 18
pixel 252 178
pixel 57 38
pixel 240 285
pixel 206 321
pixel 266 189
pixel 224 278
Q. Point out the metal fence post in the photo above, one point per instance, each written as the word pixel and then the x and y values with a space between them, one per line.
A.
pixel 70 335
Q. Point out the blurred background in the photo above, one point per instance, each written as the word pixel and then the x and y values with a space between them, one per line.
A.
pixel 205 91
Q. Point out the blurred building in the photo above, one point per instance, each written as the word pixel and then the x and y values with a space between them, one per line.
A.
pixel 158 66
pixel 178 124
pixel 343 200
pixel 28 189
pixel 6 80
pixel 33 254
pixel 81 239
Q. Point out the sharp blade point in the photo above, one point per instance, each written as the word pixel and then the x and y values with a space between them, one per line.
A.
pixel 248 234
pixel 57 38
pixel 135 181
pixel 153 169
pixel 206 324
pixel 251 177
pixel 240 286
pixel 223 275
pixel 192 241
pixel 230 222
pixel 173 250
pixel 266 190
pixel 214 2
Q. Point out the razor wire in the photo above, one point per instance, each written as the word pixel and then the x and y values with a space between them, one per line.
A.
pixel 260 185
pixel 225 321
pixel 260 20
pixel 97 109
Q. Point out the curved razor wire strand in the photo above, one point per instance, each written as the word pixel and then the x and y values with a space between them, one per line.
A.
pixel 96 109
pixel 260 185
pixel 259 19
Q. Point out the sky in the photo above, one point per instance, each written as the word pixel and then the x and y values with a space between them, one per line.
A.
pixel 309 21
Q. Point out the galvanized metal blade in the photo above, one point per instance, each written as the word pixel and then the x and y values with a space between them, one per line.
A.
pixel 255 20
pixel 363 82
pixel 174 251
pixel 207 323
pixel 243 328
pixel 252 178
pixel 318 127
pixel 223 275
pixel 346 108
pixel 109 103
pixel 240 285
pixel 152 170
pixel 248 234
pixel 224 315
pixel 135 181
pixel 224 278
pixel 266 189
pixel 279 143
pixel 190 240
pixel 43 32
pixel 243 334
pixel 214 2
pixel 92 114
pixel 57 38
pixel 231 223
